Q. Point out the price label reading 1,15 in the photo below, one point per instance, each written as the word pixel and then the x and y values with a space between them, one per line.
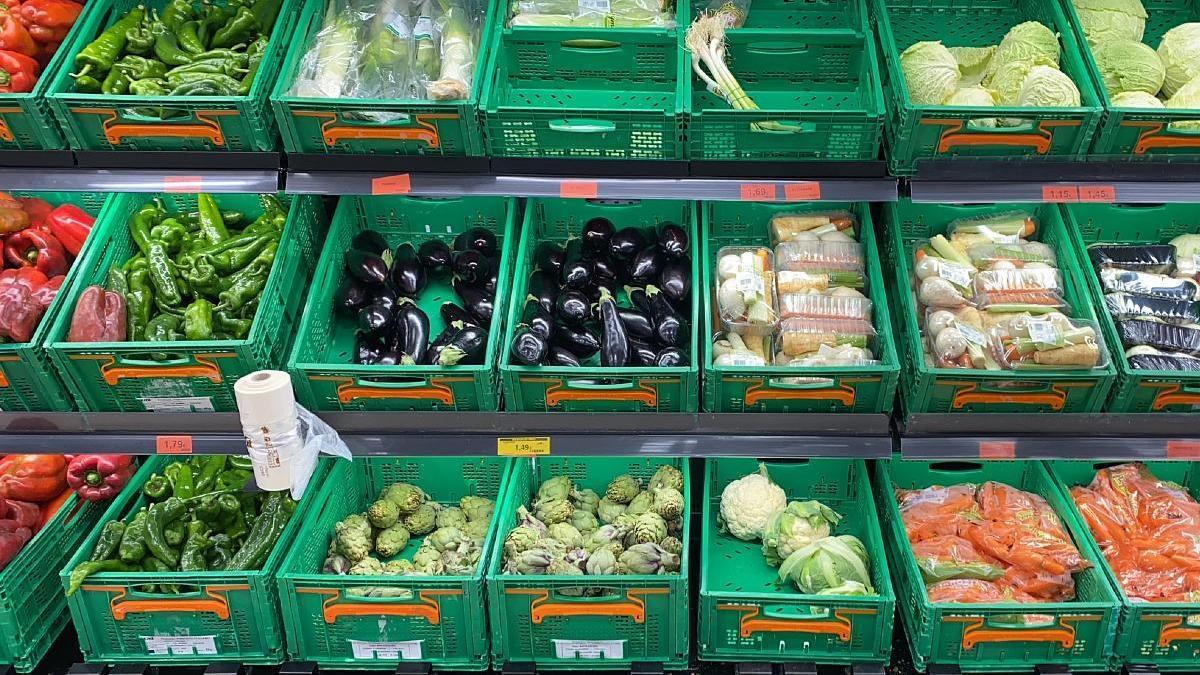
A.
pixel 173 445
pixel 1060 193
pixel 523 446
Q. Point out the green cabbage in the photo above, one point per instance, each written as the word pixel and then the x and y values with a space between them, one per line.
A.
pixel 975 97
pixel 1126 65
pixel 1188 96
pixel 1029 41
pixel 826 565
pixel 1048 87
pixel 1136 99
pixel 1009 77
pixel 930 72
pixel 1107 20
pixel 972 63
pixel 1180 54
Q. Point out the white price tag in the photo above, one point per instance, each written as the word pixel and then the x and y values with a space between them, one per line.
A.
pixel 179 645
pixel 589 649
pixel 399 27
pixel 595 6
pixel 749 282
pixel 423 28
pixel 178 404
pixel 1044 333
pixel 972 334
pixel 955 274
pixel 407 650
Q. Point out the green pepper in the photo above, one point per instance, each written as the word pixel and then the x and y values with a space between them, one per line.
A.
pixel 265 13
pixel 97 58
pixel 163 328
pixel 86 84
pixel 207 510
pixel 115 83
pixel 233 479
pixel 240 462
pixel 87 569
pixel 189 37
pixel 201 275
pixel 139 40
pixel 218 555
pixel 174 533
pixel 176 13
pixel 182 482
pixel 108 541
pixel 138 301
pixel 198 320
pixel 157 488
pixel 239 30
pixel 162 274
pixel 157 566
pixel 166 46
pixel 148 87
pixel 210 468
pixel 203 84
pixel 157 519
pixel 117 281
pixel 214 19
pixel 231 508
pixel 198 542
pixel 237 56
pixel 171 233
pixel 140 68
pixel 133 541
pixel 212 227
pixel 232 326
pixel 217 66
pixel 268 527
pixel 146 217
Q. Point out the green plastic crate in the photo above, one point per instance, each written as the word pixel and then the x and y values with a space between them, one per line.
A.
pixel 821 88
pixel 984 637
pixel 861 389
pixel 442 621
pixel 337 126
pixel 540 620
pixel 321 364
pixel 745 615
pixel 825 15
pixel 194 375
pixel 28 380
pixel 1165 635
pixel 104 122
pixel 928 389
pixel 919 132
pixel 33 610
pixel 227 616
pixel 1135 391
pixel 591 388
pixel 1142 134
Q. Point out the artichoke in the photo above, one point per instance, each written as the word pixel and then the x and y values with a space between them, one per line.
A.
pixel 601 561
pixel 625 522
pixel 794 527
pixel 559 487
pixel 476 529
pixel 672 545
pixel 533 561
pixel 408 498
pixel 648 528
pixel 614 547
pixel 584 521
pixel 428 560
pixel 336 564
pixel 367 566
pixel 446 539
pixel 667 476
pixel 601 536
pixel 623 489
pixel 477 508
pixel 640 504
pixel 668 502
pixel 420 522
pixel 576 557
pixel 648 558
pixel 383 514
pixel 451 516
pixel 566 534
pixel 553 510
pixel 457 563
pixel 675 528
pixel 391 541
pixel 607 510
pixel 585 500
pixel 398 567
pixel 520 539
pixel 526 518
pixel 562 567
pixel 354 537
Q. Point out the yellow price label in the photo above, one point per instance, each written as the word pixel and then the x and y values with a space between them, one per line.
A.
pixel 523 446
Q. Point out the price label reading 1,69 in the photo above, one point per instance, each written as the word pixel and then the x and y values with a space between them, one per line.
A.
pixel 523 446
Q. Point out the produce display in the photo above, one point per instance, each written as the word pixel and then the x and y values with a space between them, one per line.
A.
pixel 195 276
pixel 612 13
pixel 799 305
pixel 992 298
pixel 382 287
pixel 989 543
pixel 797 537
pixel 392 50
pixel 383 541
pixel 41 242
pixel 575 312
pixel 1151 293
pixel 1147 530
pixel 30 33
pixel 574 531
pixel 1021 71
pixel 187 49
pixel 196 516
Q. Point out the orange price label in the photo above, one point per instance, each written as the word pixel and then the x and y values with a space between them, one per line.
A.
pixel 1106 194
pixel 578 189
pixel 1060 193
pixel 173 445
pixel 802 192
pixel 1181 449
pixel 399 184
pixel 183 183
pixel 997 450
pixel 757 192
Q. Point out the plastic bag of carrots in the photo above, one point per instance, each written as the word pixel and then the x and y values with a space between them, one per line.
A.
pixel 1148 530
pixel 989 543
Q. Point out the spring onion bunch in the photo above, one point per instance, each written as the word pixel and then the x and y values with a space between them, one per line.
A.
pixel 705 39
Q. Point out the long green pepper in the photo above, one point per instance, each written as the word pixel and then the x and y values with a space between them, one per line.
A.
pixel 98 57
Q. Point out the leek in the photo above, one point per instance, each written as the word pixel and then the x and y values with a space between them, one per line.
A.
pixel 458 59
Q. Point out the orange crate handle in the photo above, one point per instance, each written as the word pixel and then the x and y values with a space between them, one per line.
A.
pixel 977 631
pixel 398 387
pixel 1174 629
pixel 211 600
pixel 784 619
pixel 335 129
pixel 1039 137
pixel 632 606
pixel 117 368
pixel 834 389
pixel 1172 393
pixel 1054 396
pixel 335 607
pixel 561 390
pixel 1157 135
pixel 6 133
pixel 120 125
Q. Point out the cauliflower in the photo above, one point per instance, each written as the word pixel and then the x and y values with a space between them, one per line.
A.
pixel 748 502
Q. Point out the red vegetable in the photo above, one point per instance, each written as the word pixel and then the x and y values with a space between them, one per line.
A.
pixel 12 218
pixel 49 13
pixel 99 477
pixel 35 248
pixel 24 295
pixel 70 225
pixel 32 478
pixel 51 508
pixel 99 317
pixel 23 514
pixel 37 209
pixel 13 36
pixel 12 540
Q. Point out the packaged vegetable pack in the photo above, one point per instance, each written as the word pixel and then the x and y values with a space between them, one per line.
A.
pixel 814 226
pixel 745 292
pixel 1049 342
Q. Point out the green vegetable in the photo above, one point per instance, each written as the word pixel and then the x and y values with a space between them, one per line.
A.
pixel 1048 87
pixel 87 569
pixel 157 519
pixel 166 45
pixel 163 328
pixel 1107 20
pixel 108 541
pixel 930 73
pixel 267 528
pixel 98 57
pixel 1126 65
pixel 174 533
pixel 192 559
pixel 239 30
pixel 176 13
pixel 188 36
pixel 133 542
pixel 335 49
pixel 826 564
pixel 1028 41
pixel 198 320
pixel 157 488
pixel 794 527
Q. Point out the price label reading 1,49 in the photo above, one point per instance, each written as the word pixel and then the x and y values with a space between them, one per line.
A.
pixel 523 446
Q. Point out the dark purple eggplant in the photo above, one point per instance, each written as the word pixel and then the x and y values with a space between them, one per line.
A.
pixel 579 341
pixel 637 324
pixel 493 281
pixel 550 257
pixel 394 358
pixel 472 267
pixel 614 341
pixel 562 357
pixel 415 324
pixel 573 308
pixel 544 288
pixel 670 329
pixel 638 298
pixel 528 347
pixel 479 303
pixel 435 257
pixel 626 243
pixel 670 357
pixel 597 234
pixel 366 267
pixel 374 317
pixel 578 268
pixel 385 296
pixel 369 241
pixel 675 280
pixel 466 348
pixel 537 318
pixel 646 265
pixel 439 343
pixel 367 348
pixel 673 240
pixel 351 296
pixel 408 275
pixel 641 353
pixel 476 239
pixel 451 312
pixel 605 273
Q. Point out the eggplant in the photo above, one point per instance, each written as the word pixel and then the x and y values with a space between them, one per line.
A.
pixel 550 257
pixel 637 296
pixel 578 268
pixel 385 296
pixel 415 326
pixel 435 257
pixel 597 234
pixel 537 318
pixel 408 275
pixel 467 347
pixel 573 308
pixel 641 353
pixel 366 267
pixel 367 348
pixel 637 324
pixel 579 341
pixel 369 241
pixel 544 288
pixel 675 280
pixel 670 329
pixel 479 303
pixel 389 358
pixel 374 317
pixel 528 347
pixel 472 267
pixel 493 281
pixel 614 341
pixel 673 240
pixel 352 295
pixel 476 239
pixel 439 343
pixel 451 312
pixel 626 243
pixel 605 273
pixel 562 357
pixel 670 357
pixel 646 265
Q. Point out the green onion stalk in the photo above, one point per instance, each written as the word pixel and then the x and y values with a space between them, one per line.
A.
pixel 705 39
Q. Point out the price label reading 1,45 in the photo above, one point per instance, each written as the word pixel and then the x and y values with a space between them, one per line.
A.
pixel 523 446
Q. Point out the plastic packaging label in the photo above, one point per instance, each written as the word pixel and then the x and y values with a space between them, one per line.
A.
pixel 408 650
pixel 971 334
pixel 955 274
pixel 589 649
pixel 594 6
pixel 399 27
pixel 178 404
pixel 749 282
pixel 1044 332
pixel 171 645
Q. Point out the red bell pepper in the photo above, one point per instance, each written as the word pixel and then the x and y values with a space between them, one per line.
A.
pixel 49 13
pixel 99 317
pixel 38 249
pixel 37 209
pixel 13 35
pixel 12 540
pixel 96 478
pixel 32 478
pixel 18 72
pixel 70 225
pixel 50 508
pixel 25 294
pixel 24 514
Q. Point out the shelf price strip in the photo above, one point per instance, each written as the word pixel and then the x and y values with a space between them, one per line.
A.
pixel 769 192
pixel 1064 194
pixel 523 446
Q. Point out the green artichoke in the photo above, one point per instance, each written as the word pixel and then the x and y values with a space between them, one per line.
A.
pixel 585 500
pixel 383 514
pixel 367 566
pixel 601 561
pixel 520 539
pixel 420 522
pixel 446 539
pixel 476 529
pixel 667 476
pixel 553 510
pixel 428 560
pixel 584 521
pixel 623 489
pixel 451 516
pixel 398 567
pixel 562 567
pixel 672 545
pixel 457 562
pixel 533 561
pixel 559 487
pixel 391 541
pixel 648 558
pixel 407 497
pixel 336 564
pixel 668 502
pixel 477 508
pixel 648 528
pixel 354 537
pixel 640 504
pixel 796 526
pixel 601 536
pixel 567 535
pixel 607 510
pixel 524 517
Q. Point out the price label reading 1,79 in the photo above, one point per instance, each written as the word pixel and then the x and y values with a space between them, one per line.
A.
pixel 523 446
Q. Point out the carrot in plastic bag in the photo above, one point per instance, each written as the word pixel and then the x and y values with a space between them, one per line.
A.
pixel 965 590
pixel 952 557
pixel 936 511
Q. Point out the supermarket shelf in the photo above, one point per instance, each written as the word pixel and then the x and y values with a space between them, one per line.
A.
pixel 139 180
pixel 967 180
